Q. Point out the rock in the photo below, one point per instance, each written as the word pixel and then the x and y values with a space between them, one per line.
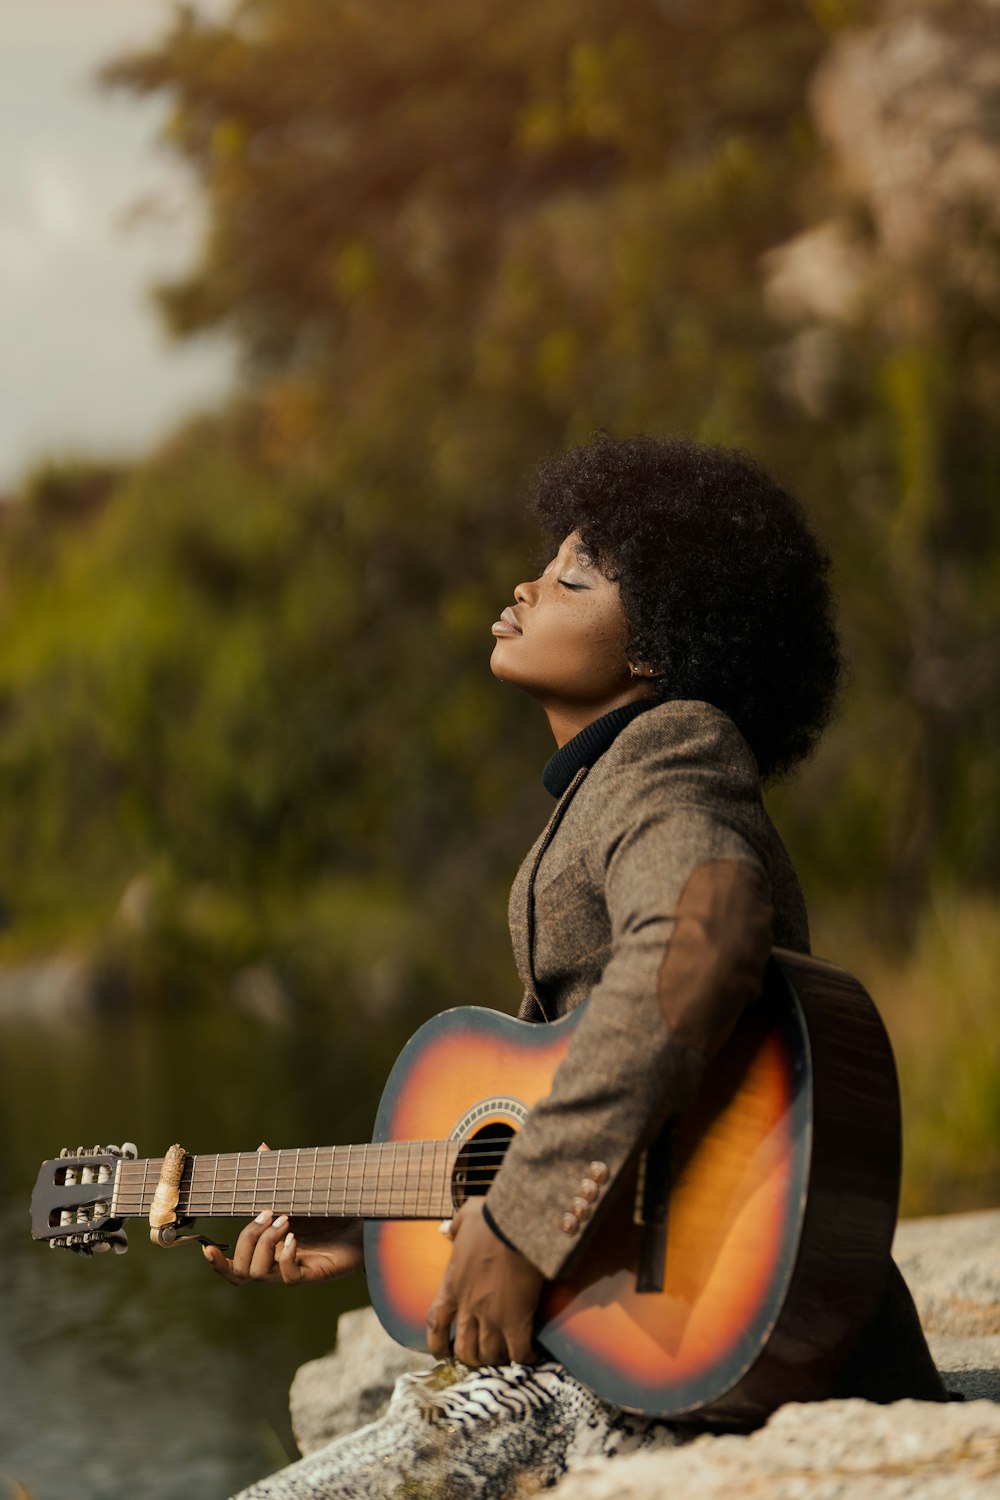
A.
pixel 343 1390
pixel 826 1450
pixel 819 1451
pixel 955 1275
pixel 969 1366
pixel 60 991
pixel 830 1450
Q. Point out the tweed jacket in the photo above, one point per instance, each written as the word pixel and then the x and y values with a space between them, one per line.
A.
pixel 592 912
pixel 597 909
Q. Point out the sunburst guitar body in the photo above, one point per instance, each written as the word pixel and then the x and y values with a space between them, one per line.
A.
pixel 736 1261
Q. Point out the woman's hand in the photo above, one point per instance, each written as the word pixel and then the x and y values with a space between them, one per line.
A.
pixel 490 1292
pixel 295 1251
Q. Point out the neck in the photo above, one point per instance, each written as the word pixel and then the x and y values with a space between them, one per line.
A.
pixel 567 719
pixel 395 1180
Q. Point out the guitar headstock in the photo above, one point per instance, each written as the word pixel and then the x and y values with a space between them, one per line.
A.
pixel 71 1203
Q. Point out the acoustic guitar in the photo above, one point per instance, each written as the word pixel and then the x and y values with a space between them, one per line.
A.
pixel 731 1269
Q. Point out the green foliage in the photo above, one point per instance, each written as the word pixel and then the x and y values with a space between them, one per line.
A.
pixel 254 670
pixel 245 682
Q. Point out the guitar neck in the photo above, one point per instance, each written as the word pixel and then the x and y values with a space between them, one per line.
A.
pixel 397 1180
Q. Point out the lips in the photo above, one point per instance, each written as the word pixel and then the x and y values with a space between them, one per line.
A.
pixel 507 624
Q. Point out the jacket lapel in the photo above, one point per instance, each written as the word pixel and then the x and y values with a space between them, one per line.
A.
pixel 533 1007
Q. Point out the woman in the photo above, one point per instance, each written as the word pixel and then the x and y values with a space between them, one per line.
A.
pixel 681 645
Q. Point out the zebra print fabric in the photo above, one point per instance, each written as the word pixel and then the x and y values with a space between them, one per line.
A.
pixel 454 1434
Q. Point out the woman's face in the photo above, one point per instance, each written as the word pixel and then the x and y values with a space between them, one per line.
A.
pixel 564 639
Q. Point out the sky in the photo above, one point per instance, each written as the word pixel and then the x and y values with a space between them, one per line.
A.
pixel 84 366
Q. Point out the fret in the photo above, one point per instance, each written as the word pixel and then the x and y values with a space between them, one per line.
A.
pixel 441 1156
pixel 386 1180
pixel 430 1169
pixel 425 1179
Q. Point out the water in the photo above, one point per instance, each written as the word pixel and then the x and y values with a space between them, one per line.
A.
pixel 145 1374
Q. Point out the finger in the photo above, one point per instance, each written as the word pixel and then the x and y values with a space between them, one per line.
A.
pixel 288 1263
pixel 243 1250
pixel 492 1346
pixel 262 1262
pixel 221 1266
pixel 520 1345
pixel 263 1146
pixel 439 1321
pixel 467 1341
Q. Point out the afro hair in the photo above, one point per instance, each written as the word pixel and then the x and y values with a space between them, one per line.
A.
pixel 723 584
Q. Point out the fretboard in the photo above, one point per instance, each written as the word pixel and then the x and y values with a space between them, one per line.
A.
pixel 397 1180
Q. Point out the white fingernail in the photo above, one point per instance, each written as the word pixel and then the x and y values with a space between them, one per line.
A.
pixel 289 1241
pixel 444 1227
pixel 263 1216
pixel 281 1219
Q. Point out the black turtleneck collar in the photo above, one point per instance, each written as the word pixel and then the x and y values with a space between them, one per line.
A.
pixel 590 744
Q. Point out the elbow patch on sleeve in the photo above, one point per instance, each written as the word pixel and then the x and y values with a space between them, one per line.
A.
pixel 715 959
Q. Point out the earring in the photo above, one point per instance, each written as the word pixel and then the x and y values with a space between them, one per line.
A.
pixel 639 672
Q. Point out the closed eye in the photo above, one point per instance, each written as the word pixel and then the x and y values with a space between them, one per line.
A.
pixel 567 585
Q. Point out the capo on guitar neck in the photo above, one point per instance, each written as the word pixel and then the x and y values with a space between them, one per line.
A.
pixel 163 1220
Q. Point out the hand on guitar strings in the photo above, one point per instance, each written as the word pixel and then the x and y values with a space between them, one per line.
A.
pixel 295 1251
pixel 489 1292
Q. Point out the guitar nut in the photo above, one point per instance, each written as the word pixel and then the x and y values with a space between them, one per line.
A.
pixel 569 1223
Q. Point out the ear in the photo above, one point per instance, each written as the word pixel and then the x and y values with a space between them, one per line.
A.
pixel 644 669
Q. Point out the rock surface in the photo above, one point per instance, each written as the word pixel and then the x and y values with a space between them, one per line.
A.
pixel 342 1391
pixel 952 1267
pixel 831 1450
pixel 834 1450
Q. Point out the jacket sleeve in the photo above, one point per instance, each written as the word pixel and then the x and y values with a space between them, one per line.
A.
pixel 690 916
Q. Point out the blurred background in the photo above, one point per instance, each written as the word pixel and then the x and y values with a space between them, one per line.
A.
pixel 293 294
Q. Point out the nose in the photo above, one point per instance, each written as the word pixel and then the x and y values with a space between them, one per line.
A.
pixel 524 593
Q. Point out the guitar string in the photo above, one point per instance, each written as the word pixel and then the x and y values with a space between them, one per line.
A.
pixel 286 1179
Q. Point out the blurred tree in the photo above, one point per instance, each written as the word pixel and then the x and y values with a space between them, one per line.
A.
pixel 446 247
pixel 253 670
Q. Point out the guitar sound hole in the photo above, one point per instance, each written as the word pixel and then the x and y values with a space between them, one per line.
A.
pixel 479 1161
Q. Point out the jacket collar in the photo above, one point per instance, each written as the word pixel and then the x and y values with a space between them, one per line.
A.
pixel 590 744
